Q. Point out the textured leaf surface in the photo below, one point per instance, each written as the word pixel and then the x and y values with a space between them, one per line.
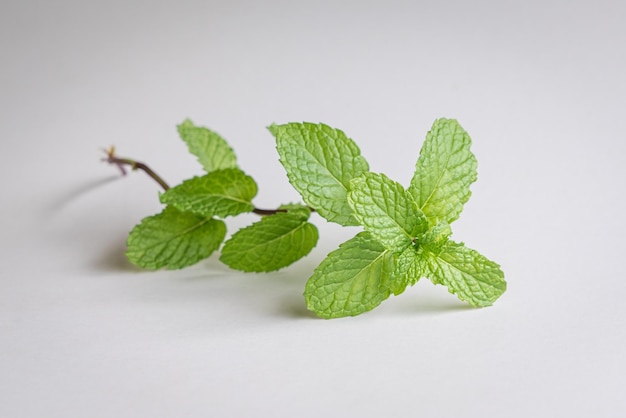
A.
pixel 409 268
pixel 444 172
pixel 386 210
pixel 220 193
pixel 173 239
pixel 353 279
pixel 435 238
pixel 274 242
pixel 212 150
pixel 320 162
pixel 410 265
pixel 466 273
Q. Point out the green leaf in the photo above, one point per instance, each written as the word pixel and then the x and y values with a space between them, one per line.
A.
pixel 386 210
pixel 435 238
pixel 173 239
pixel 410 265
pixel 274 242
pixel 444 172
pixel 320 162
pixel 466 273
pixel 353 279
pixel 212 150
pixel 220 193
pixel 409 268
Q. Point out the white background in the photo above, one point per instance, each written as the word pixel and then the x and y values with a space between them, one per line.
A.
pixel 539 85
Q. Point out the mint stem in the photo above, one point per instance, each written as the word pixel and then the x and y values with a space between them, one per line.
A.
pixel 111 158
pixel 134 165
pixel 265 212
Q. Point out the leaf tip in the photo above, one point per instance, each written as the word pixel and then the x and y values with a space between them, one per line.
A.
pixel 273 128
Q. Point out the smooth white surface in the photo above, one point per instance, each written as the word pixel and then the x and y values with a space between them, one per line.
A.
pixel 540 88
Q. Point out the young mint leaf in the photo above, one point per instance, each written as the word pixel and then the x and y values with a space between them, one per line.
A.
pixel 320 162
pixel 173 239
pixel 386 210
pixel 409 268
pixel 353 279
pixel 444 172
pixel 274 242
pixel 410 264
pixel 466 273
pixel 435 238
pixel 212 150
pixel 220 193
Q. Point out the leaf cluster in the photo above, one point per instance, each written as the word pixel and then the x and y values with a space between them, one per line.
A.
pixel 406 230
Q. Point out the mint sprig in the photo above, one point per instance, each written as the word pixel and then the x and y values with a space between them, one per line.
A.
pixel 407 230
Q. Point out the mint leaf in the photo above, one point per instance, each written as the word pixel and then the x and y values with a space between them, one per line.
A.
pixel 173 239
pixel 274 242
pixel 435 238
pixel 353 279
pixel 444 172
pixel 386 210
pixel 409 268
pixel 466 273
pixel 410 265
pixel 320 162
pixel 220 193
pixel 212 150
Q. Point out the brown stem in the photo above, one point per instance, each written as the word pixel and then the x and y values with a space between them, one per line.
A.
pixel 111 158
pixel 264 212
pixel 134 165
